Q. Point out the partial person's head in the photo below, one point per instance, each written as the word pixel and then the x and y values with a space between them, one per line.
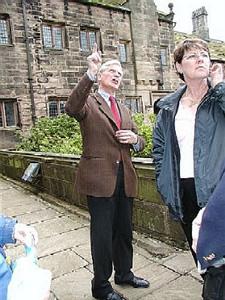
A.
pixel 192 59
pixel 110 75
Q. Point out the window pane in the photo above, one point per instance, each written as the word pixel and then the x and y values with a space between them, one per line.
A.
pixel 62 107
pixel 128 103
pixel 134 104
pixel 1 116
pixel 163 56
pixel 4 39
pixel 47 36
pixel 83 41
pixel 122 52
pixel 57 35
pixel 53 109
pixel 92 39
pixel 9 114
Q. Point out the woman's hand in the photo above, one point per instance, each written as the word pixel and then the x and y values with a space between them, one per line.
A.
pixel 216 74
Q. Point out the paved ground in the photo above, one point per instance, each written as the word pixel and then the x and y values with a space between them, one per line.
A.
pixel 64 249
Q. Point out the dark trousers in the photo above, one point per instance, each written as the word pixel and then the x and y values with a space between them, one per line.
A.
pixel 214 278
pixel 111 237
pixel 190 209
pixel 214 284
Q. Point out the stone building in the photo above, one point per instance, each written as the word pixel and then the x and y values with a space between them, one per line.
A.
pixel 44 45
pixel 200 23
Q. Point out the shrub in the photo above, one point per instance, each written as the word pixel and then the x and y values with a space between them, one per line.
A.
pixel 145 128
pixel 57 135
pixel 62 135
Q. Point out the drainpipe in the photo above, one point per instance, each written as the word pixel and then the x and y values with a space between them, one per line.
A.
pixel 134 52
pixel 28 52
pixel 161 82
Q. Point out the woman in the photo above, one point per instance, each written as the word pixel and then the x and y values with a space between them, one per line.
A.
pixel 10 232
pixel 188 140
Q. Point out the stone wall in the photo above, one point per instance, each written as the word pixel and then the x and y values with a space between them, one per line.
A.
pixel 57 177
pixel 54 73
pixel 151 31
pixel 7 138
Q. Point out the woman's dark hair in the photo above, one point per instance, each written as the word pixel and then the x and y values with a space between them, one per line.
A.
pixel 156 109
pixel 187 45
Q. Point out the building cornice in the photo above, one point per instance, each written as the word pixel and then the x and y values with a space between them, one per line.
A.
pixel 105 4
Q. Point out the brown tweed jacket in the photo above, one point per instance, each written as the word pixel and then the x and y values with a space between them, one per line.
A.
pixel 97 171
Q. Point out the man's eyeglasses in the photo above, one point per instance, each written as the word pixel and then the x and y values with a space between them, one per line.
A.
pixel 195 56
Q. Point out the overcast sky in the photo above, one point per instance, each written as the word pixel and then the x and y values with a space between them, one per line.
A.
pixel 183 15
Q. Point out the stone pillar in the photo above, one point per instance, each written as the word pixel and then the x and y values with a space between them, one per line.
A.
pixel 145 39
pixel 200 23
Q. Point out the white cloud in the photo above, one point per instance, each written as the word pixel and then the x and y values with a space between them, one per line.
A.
pixel 183 15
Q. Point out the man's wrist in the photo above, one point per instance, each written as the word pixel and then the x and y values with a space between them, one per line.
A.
pixel 136 146
pixel 91 76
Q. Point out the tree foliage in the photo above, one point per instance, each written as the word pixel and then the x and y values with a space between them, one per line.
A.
pixel 62 135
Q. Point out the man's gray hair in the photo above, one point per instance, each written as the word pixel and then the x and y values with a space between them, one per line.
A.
pixel 109 63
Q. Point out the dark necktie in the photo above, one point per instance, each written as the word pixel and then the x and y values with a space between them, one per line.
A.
pixel 115 111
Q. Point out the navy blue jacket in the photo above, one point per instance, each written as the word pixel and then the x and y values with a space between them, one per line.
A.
pixel 209 147
pixel 211 241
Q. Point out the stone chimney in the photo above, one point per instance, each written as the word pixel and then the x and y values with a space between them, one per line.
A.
pixel 200 23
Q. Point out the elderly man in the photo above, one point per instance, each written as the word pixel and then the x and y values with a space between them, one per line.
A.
pixel 106 174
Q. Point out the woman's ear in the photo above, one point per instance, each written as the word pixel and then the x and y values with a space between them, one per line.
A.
pixel 178 68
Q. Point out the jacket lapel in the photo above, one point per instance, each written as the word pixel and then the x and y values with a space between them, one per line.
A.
pixel 104 107
pixel 170 102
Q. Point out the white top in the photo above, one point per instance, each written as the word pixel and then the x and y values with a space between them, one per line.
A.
pixel 185 128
